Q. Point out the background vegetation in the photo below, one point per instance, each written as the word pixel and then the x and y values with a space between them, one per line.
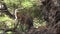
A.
pixel 30 7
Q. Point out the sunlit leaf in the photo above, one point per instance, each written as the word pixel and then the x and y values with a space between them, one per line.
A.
pixel 5 18
pixel 27 4
pixel 9 32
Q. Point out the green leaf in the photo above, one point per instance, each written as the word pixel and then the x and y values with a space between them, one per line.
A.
pixel 26 4
pixel 5 18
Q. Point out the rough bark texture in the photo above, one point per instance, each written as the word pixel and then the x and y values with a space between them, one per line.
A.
pixel 51 13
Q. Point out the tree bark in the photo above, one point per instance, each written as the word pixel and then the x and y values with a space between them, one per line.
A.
pixel 51 14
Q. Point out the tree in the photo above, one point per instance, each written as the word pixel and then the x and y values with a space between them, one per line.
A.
pixel 51 14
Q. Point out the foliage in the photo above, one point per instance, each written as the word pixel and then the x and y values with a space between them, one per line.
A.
pixel 9 32
pixel 5 18
pixel 12 2
pixel 8 21
pixel 31 7
pixel 27 4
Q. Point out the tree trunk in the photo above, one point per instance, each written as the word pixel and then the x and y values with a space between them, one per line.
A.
pixel 51 14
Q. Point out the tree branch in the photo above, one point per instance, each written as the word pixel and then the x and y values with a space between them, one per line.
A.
pixel 4 9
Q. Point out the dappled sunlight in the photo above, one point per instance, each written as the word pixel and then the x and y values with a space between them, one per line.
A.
pixel 9 24
pixel 9 32
pixel 5 18
pixel 37 23
pixel 29 17
pixel 8 21
pixel 27 4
